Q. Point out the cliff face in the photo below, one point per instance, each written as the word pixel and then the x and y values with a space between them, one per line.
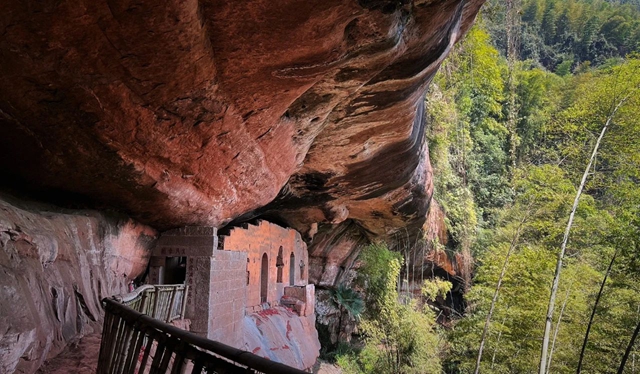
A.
pixel 199 112
pixel 55 268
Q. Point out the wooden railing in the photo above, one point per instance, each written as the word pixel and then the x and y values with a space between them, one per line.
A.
pixel 135 342
pixel 165 302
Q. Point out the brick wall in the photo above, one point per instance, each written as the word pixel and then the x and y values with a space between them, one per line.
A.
pixel 225 280
pixel 267 238
pixel 198 244
pixel 227 297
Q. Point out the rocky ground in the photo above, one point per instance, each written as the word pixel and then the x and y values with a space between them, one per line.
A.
pixel 78 358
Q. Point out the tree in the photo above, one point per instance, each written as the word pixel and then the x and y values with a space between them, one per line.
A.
pixel 625 357
pixel 543 193
pixel 400 338
pixel 556 278
pixel 348 301
pixel 593 313
pixel 512 246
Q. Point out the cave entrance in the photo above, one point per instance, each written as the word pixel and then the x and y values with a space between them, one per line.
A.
pixel 292 269
pixel 264 278
pixel 175 271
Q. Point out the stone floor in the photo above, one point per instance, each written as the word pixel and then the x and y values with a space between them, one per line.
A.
pixel 79 358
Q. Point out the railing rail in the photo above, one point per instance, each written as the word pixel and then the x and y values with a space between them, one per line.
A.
pixel 165 302
pixel 135 342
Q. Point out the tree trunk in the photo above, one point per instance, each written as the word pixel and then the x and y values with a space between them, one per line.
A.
pixel 512 28
pixel 555 333
pixel 495 351
pixel 593 312
pixel 629 348
pixel 563 247
pixel 512 246
pixel 339 321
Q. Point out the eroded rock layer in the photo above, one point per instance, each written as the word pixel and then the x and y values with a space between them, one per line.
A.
pixel 198 112
pixel 281 335
pixel 55 267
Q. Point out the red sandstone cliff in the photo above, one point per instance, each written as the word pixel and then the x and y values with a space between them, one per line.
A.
pixel 198 112
pixel 55 267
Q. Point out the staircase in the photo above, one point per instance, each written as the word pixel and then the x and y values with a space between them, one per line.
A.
pixel 137 338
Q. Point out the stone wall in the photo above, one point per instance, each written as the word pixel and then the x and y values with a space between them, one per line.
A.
pixel 55 267
pixel 267 238
pixel 198 244
pixel 228 294
pixel 224 277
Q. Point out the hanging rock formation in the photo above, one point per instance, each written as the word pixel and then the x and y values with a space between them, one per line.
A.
pixel 199 112
pixel 204 112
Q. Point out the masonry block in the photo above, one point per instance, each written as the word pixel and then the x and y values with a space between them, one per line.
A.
pixel 305 294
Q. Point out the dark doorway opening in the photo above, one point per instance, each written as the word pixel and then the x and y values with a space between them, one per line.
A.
pixel 292 269
pixel 175 271
pixel 279 265
pixel 264 278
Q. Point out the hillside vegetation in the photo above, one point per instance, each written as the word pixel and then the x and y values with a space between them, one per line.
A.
pixel 512 131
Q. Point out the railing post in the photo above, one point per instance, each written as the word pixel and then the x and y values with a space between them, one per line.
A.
pixel 184 301
pixel 143 302
pixel 155 305
pixel 170 308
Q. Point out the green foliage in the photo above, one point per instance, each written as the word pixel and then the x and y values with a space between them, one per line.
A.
pixel 449 141
pixel 467 137
pixel 375 275
pixel 570 135
pixel 544 197
pixel 432 288
pixel 348 301
pixel 555 32
pixel 538 95
pixel 398 337
pixel 589 45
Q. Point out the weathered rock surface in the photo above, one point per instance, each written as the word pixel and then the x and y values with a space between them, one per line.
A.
pixel 333 252
pixel 326 368
pixel 54 269
pixel 198 112
pixel 281 335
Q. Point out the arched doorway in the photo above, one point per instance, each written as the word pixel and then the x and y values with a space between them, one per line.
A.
pixel 292 269
pixel 264 278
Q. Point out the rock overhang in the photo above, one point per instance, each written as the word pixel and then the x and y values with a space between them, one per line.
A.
pixel 201 112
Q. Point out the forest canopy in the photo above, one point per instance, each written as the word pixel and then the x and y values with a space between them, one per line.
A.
pixel 534 118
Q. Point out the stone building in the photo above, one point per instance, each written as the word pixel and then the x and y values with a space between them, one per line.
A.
pixel 243 282
pixel 277 258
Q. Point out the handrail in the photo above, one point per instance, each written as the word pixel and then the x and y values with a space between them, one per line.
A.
pixel 133 295
pixel 135 342
pixel 165 302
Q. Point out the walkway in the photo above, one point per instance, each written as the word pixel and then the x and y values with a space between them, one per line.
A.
pixel 137 339
pixel 80 358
